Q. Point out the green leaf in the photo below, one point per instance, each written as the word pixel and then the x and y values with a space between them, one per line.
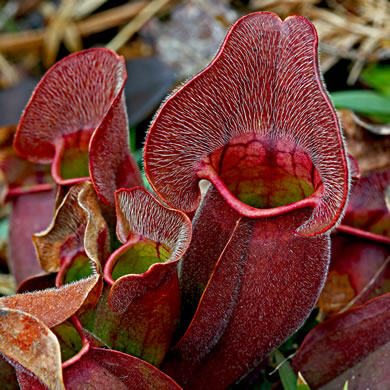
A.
pixel 69 339
pixel 146 182
pixel 362 101
pixel 286 373
pixel 4 228
pixel 265 385
pixel 302 386
pixel 378 78
pixel 80 269
pixel 139 257
pixel 133 139
pixel 345 385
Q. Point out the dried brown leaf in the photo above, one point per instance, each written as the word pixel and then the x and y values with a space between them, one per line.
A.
pixel 52 306
pixel 336 293
pixel 65 236
pixel 370 150
pixel 96 236
pixel 30 343
pixel 68 220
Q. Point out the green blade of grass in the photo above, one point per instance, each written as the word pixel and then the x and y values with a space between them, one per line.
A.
pixel 286 373
pixel 362 101
pixel 378 78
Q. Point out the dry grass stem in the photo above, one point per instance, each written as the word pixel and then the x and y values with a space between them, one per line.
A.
pixel 358 30
pixel 83 8
pixel 7 284
pixel 33 39
pixel 56 31
pixel 8 74
pixel 133 26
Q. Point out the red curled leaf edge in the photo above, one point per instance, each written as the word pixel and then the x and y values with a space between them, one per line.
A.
pixel 48 147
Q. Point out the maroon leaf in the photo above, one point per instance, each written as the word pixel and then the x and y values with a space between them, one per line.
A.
pixel 352 346
pixel 260 292
pixel 67 108
pixel 37 283
pixel 103 369
pixel 145 294
pixel 107 369
pixel 20 176
pixel 27 381
pixel 265 73
pixel 30 214
pixel 359 271
pixel 367 208
pixel 145 329
pixel 215 218
pixel 62 105
pixel 111 165
pixel 258 124
pixel 155 237
pixel 361 248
